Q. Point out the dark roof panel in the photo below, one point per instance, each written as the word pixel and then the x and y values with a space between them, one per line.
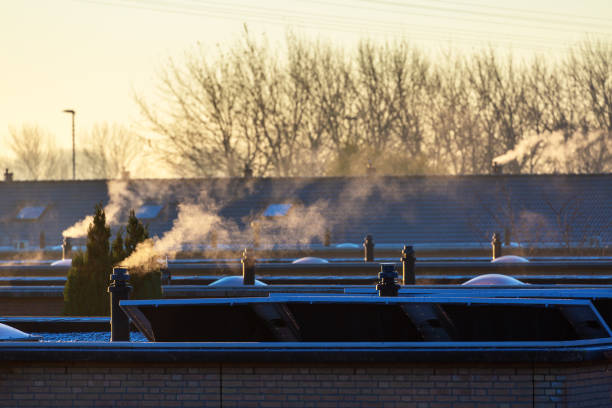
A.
pixel 417 210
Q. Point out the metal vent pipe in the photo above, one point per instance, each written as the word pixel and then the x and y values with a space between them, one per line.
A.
pixel 387 285
pixel 119 290
pixel 248 268
pixel 67 248
pixel 368 248
pixel 408 265
pixel 496 244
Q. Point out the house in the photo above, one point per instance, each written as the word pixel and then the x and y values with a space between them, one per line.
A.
pixel 557 211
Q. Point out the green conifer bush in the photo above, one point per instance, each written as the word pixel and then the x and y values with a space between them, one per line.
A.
pixel 85 290
pixel 146 284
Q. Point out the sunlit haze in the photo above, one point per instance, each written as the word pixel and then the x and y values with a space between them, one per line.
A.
pixel 92 56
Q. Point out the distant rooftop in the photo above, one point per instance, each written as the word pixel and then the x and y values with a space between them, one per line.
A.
pixel 543 210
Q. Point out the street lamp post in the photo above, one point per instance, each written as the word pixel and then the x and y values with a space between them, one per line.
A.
pixel 73 153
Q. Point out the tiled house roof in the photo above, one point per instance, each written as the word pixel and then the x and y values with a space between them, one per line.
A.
pixel 438 209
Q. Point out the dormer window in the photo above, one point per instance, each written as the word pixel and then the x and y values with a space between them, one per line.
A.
pixel 277 210
pixel 31 213
pixel 148 211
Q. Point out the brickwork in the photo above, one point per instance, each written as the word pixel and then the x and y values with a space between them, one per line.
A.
pixel 109 386
pixel 591 386
pixel 377 386
pixel 305 385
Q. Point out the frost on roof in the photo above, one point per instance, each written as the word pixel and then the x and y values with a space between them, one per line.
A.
pixel 31 213
pixel 148 211
pixel 276 210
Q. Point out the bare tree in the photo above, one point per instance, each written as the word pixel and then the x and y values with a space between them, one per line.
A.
pixel 377 94
pixel 589 68
pixel 411 74
pixel 330 132
pixel 197 135
pixel 456 144
pixel 593 154
pixel 36 155
pixel 275 101
pixel 335 109
pixel 109 151
pixel 315 109
pixel 500 88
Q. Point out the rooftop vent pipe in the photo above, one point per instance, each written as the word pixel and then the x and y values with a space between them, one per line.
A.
pixel 408 261
pixel 386 280
pixel 119 290
pixel 327 238
pixel 496 169
pixel 370 169
pixel 247 172
pixel 67 248
pixel 248 268
pixel 368 248
pixel 496 244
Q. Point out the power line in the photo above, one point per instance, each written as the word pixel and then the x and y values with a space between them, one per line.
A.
pixel 549 13
pixel 481 14
pixel 487 33
pixel 386 24
pixel 332 23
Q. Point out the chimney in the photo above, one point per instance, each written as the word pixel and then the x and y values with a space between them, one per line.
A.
pixel 496 245
pixel 370 169
pixel 119 290
pixel 248 268
pixel 496 169
pixel 125 174
pixel 368 249
pixel 248 172
pixel 8 176
pixel 67 248
pixel 327 238
pixel 387 285
pixel 166 275
pixel 408 262
pixel 507 237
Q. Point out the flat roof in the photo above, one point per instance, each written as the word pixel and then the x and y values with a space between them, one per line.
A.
pixel 579 351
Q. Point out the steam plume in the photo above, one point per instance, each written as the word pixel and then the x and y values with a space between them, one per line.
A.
pixel 554 152
pixel 121 199
pixel 199 214
pixel 192 225
pixel 302 226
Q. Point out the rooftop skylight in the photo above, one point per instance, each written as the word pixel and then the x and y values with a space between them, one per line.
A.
pixel 277 210
pixel 31 213
pixel 148 211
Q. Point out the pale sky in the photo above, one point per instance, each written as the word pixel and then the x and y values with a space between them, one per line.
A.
pixel 90 55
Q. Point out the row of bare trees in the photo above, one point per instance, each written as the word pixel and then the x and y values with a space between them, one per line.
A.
pixel 313 109
pixel 107 151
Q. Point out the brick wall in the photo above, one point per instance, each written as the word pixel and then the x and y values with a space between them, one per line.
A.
pixel 304 385
pixel 591 385
pixel 113 386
